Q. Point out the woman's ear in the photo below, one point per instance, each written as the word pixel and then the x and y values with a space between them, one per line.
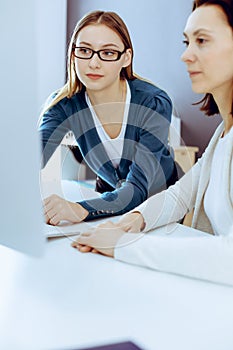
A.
pixel 127 58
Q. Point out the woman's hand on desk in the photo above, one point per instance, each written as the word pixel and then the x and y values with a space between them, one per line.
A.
pixel 104 237
pixel 101 239
pixel 57 209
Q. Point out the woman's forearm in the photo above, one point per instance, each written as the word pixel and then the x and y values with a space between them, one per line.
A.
pixel 180 250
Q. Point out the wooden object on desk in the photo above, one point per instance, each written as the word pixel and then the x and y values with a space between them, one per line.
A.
pixel 186 157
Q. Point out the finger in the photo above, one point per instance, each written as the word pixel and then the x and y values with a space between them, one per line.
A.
pixel 47 200
pixel 131 230
pixel 84 238
pixel 81 248
pixel 95 251
pixel 48 210
pixel 85 249
pixel 85 234
pixel 125 227
pixel 106 224
pixel 81 234
pixel 55 220
pixel 46 218
pixel 76 245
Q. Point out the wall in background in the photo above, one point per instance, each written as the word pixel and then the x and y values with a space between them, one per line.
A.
pixel 51 46
pixel 156 28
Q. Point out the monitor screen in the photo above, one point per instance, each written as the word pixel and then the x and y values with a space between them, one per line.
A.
pixel 21 210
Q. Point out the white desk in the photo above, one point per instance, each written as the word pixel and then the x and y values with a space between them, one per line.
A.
pixel 70 300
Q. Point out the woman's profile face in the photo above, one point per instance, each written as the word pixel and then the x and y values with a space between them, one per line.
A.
pixel 95 73
pixel 209 52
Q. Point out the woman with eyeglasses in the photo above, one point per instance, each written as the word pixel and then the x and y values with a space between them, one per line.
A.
pixel 120 123
pixel 204 251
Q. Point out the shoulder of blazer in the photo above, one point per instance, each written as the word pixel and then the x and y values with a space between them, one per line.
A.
pixel 73 104
pixel 206 160
pixel 141 89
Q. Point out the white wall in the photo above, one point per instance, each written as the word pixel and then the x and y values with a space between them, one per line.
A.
pixel 51 46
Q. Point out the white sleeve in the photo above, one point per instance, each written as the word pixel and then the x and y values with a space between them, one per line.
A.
pixel 172 204
pixel 180 250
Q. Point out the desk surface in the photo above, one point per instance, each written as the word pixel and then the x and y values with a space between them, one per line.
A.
pixel 69 300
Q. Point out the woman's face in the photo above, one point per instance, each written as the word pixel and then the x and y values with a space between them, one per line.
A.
pixel 209 52
pixel 94 73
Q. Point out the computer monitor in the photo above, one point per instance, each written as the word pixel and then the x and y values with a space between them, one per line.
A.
pixel 21 209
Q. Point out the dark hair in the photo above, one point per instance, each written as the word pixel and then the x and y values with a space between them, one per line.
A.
pixel 209 105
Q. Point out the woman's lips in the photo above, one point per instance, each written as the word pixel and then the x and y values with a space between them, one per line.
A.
pixel 94 76
pixel 193 74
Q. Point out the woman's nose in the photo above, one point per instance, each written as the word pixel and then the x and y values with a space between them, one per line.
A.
pixel 94 62
pixel 188 54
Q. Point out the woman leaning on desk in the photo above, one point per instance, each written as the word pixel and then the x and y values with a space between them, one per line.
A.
pixel 206 250
pixel 120 122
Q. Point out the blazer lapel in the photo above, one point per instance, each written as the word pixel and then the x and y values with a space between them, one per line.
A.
pixel 205 172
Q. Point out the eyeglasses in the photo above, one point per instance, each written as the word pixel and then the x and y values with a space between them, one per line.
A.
pixel 86 53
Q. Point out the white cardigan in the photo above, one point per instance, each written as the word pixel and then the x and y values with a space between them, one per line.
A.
pixel 187 251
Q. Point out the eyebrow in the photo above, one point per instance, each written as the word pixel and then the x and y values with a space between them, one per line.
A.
pixel 198 31
pixel 105 45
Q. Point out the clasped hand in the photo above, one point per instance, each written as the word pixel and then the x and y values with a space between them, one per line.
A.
pixel 104 237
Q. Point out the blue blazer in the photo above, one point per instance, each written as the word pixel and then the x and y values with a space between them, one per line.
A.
pixel 146 166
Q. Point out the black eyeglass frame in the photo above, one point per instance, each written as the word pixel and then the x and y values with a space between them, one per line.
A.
pixel 119 53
